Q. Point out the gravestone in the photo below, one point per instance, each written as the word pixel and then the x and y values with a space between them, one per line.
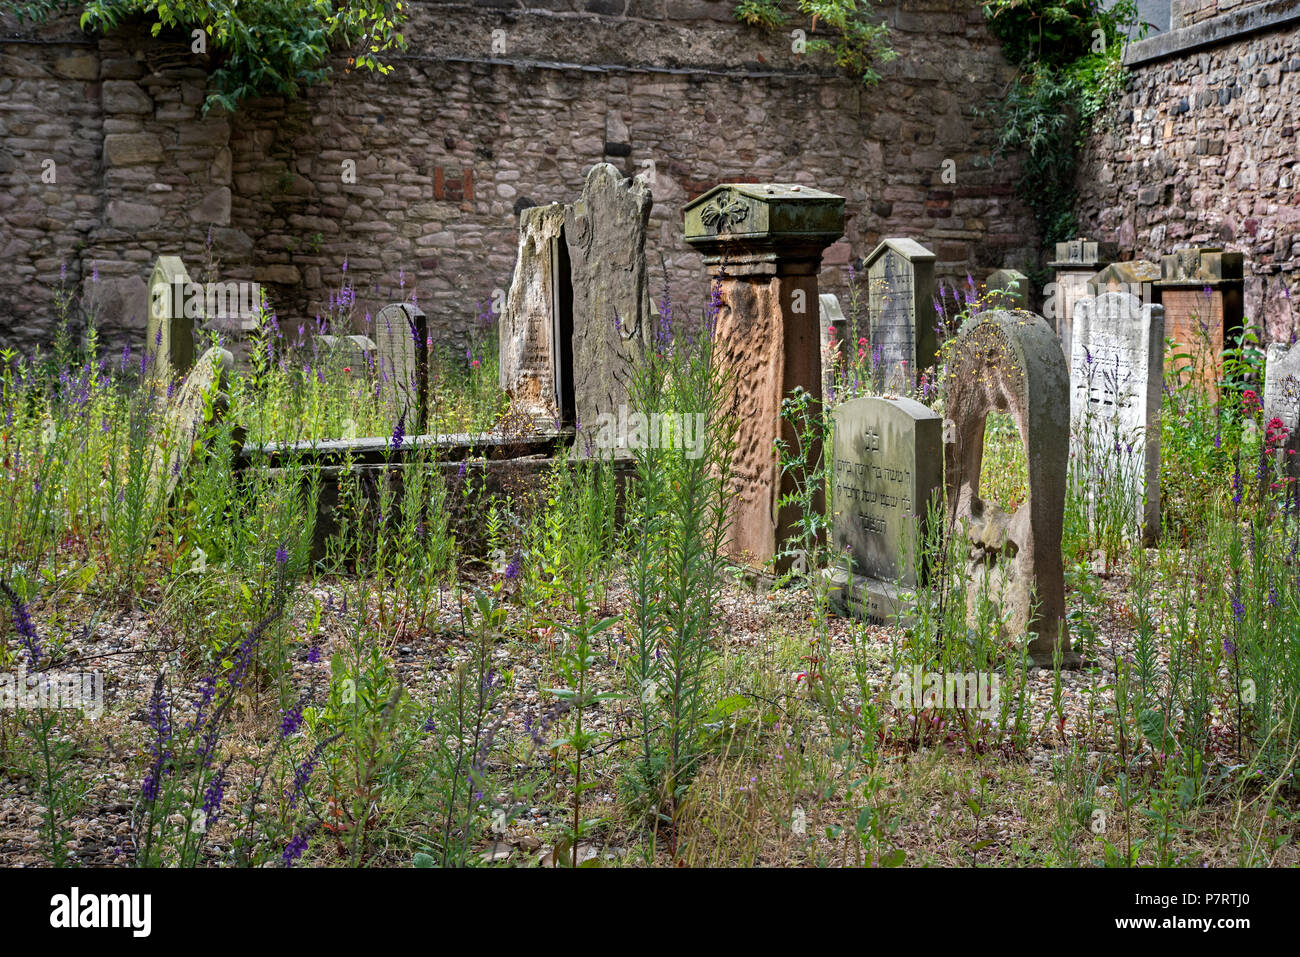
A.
pixel 1013 286
pixel 1282 401
pixel 1201 289
pixel 184 418
pixel 604 234
pixel 169 332
pixel 1116 382
pixel 538 314
pixel 401 331
pixel 1004 361
pixel 834 330
pixel 1077 261
pixel 900 292
pixel 762 244
pixel 886 471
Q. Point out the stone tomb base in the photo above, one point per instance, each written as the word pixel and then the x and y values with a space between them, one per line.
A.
pixel 869 599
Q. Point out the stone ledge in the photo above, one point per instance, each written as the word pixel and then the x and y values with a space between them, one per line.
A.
pixel 1220 30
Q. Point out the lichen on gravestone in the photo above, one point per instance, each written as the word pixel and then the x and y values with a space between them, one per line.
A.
pixel 605 234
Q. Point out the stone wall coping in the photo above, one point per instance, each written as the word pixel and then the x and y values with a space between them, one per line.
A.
pixel 1272 15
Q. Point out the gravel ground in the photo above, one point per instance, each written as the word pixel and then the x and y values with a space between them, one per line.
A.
pixel 758 630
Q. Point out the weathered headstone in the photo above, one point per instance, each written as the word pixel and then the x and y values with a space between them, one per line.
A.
pixel 900 292
pixel 604 234
pixel 1077 261
pixel 1201 290
pixel 886 471
pixel 1013 286
pixel 169 332
pixel 1116 382
pixel 401 330
pixel 1282 401
pixel 185 415
pixel 1012 362
pixel 762 244
pixel 537 317
pixel 834 329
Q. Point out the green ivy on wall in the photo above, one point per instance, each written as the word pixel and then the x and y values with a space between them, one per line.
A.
pixel 259 47
pixel 1069 54
pixel 853 34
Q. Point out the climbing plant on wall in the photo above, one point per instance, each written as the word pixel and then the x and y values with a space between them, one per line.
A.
pixel 851 32
pixel 259 47
pixel 1069 54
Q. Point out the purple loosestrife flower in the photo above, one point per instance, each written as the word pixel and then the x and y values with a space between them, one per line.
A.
pixel 212 797
pixel 715 308
pixel 291 722
pixel 22 620
pixel 399 433
pixel 302 774
pixel 293 850
pixel 160 724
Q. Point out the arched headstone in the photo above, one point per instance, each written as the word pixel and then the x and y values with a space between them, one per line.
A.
pixel 900 291
pixel 401 330
pixel 1011 362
